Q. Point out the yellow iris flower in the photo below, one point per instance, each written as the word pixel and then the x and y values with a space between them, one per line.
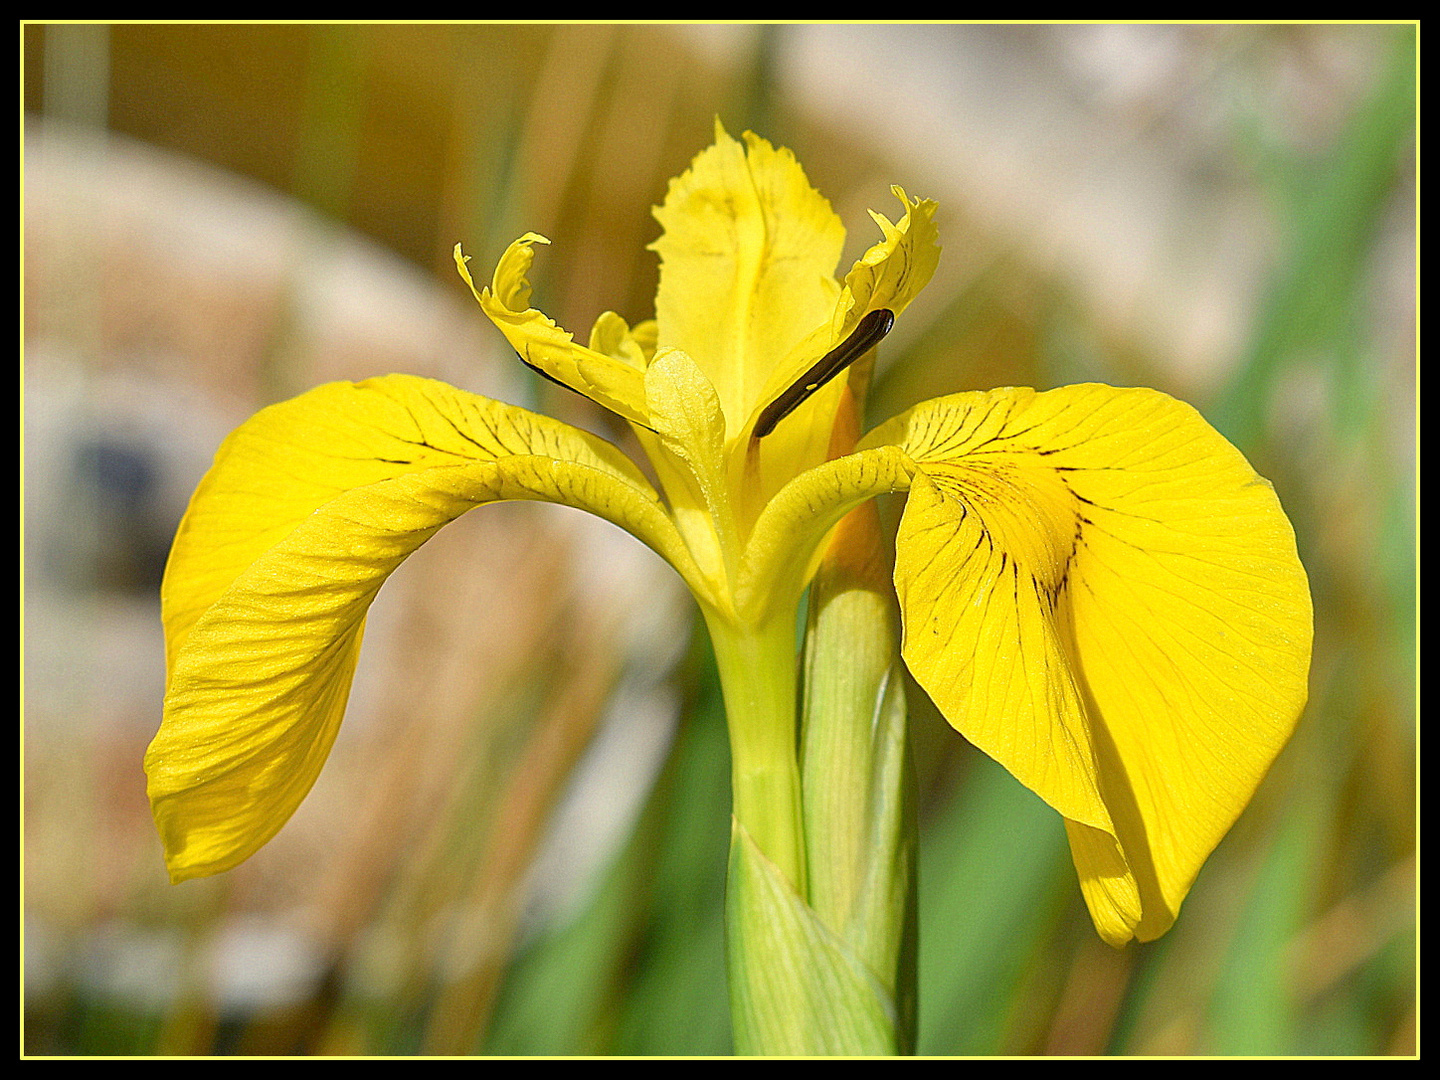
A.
pixel 1096 588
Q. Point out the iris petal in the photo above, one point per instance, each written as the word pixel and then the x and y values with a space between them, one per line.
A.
pixel 747 269
pixel 1100 592
pixel 309 507
pixel 544 346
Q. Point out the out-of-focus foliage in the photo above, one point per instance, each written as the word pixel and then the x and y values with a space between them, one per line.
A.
pixel 518 846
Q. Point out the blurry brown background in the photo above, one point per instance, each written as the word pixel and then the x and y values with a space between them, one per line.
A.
pixel 517 846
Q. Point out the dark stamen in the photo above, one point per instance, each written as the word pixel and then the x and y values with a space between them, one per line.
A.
pixel 866 335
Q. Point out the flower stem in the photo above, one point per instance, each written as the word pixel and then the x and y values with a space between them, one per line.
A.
pixel 757 666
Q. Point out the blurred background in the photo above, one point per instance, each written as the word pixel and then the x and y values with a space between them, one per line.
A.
pixel 518 844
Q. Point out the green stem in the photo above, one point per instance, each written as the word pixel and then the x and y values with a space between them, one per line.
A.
pixel 757 666
pixel 808 982
pixel 860 824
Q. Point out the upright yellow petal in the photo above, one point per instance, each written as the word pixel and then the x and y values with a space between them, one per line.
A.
pixel 747 266
pixel 1100 592
pixel 547 349
pixel 308 508
pixel 887 276
pixel 893 271
pixel 610 335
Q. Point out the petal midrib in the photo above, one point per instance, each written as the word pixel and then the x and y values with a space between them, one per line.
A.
pixel 738 403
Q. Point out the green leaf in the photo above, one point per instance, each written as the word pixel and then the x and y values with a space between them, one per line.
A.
pixel 795 988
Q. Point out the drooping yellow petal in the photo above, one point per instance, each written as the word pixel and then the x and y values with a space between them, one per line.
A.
pixel 308 508
pixel 1100 592
pixel 981 559
pixel 546 348
pixel 747 267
